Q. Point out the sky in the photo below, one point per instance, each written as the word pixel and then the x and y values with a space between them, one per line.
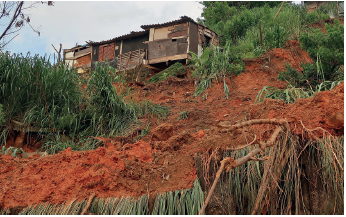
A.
pixel 74 22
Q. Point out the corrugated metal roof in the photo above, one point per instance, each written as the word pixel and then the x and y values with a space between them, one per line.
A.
pixel 131 35
pixel 174 22
pixel 146 30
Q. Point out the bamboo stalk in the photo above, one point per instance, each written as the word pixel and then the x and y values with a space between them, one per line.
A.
pixel 279 10
pixel 88 204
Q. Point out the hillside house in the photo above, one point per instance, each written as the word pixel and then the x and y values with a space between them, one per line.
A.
pixel 78 57
pixel 157 43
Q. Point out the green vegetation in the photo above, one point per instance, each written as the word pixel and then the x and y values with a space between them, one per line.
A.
pixel 180 202
pixel 248 29
pixel 183 115
pixel 2 115
pixel 144 132
pixel 251 27
pixel 215 64
pixel 291 93
pixel 31 87
pixel 174 70
pixel 327 50
pixel 13 151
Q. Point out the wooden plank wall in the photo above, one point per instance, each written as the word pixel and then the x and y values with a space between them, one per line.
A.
pixel 193 45
pixel 130 59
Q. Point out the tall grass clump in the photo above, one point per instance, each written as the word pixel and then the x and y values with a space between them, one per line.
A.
pixel 30 86
pixel 52 99
pixel 180 202
pixel 291 93
pixel 215 64
pixel 106 106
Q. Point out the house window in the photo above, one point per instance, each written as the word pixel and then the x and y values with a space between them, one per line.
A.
pixel 106 52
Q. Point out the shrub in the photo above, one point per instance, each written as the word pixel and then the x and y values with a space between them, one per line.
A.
pixel 73 111
pixel 326 49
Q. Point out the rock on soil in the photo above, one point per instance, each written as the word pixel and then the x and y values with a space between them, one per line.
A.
pixel 162 132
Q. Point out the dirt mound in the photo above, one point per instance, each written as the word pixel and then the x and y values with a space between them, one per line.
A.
pixel 108 172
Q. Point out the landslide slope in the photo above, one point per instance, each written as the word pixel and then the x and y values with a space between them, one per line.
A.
pixel 130 168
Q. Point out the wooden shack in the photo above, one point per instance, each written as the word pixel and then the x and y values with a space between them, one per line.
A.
pixel 173 40
pixel 157 43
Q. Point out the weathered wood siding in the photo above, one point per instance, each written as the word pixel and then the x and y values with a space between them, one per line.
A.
pixel 82 52
pixel 193 37
pixel 160 33
pixel 167 47
pixel 130 59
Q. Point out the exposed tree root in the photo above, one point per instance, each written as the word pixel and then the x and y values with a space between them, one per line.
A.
pixel 229 163
pixel 252 122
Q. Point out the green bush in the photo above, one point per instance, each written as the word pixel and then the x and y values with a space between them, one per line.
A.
pixel 326 49
pixel 315 16
pixel 239 23
pixel 174 70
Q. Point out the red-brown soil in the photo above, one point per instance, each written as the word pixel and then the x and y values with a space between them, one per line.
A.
pixel 166 163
